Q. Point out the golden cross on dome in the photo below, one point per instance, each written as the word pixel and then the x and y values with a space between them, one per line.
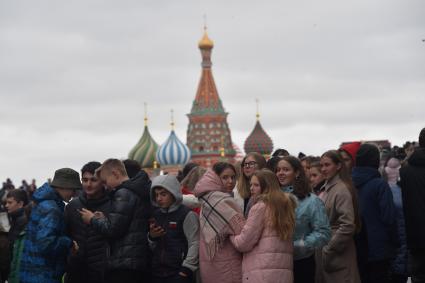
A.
pixel 146 113
pixel 172 119
pixel 257 101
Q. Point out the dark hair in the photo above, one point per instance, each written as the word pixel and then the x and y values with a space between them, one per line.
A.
pixel 397 152
pixel 90 167
pixel 219 167
pixel 301 185
pixel 422 138
pixel 345 177
pixel 272 163
pixel 132 167
pixel 309 159
pixel 280 152
pixel 186 169
pixel 407 144
pixel 243 183
pixel 19 195
pixel 316 164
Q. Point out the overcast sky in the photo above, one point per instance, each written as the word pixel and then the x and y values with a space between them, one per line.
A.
pixel 74 74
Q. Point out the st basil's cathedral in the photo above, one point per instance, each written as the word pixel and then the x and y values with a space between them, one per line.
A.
pixel 209 138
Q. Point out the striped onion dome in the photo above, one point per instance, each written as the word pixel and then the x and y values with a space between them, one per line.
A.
pixel 145 149
pixel 258 141
pixel 173 152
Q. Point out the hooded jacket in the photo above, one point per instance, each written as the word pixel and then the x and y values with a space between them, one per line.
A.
pixel 412 183
pixel 126 226
pixel 226 264
pixel 176 251
pixel 46 245
pixel 378 213
pixel 89 263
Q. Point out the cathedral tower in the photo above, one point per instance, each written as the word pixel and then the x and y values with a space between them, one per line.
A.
pixel 208 133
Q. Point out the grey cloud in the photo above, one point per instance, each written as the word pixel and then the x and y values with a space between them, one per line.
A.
pixel 74 75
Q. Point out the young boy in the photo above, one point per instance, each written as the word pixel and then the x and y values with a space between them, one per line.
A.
pixel 88 265
pixel 46 246
pixel 126 226
pixel 16 200
pixel 173 235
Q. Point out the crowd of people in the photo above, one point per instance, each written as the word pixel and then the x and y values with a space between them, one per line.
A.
pixel 355 214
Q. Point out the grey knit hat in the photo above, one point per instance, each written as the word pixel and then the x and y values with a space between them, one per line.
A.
pixel 66 178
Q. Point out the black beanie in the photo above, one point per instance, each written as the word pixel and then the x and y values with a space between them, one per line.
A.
pixel 368 156
pixel 422 138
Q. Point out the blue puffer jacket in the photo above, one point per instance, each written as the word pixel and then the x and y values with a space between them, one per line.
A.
pixel 378 213
pixel 312 229
pixel 45 246
pixel 399 265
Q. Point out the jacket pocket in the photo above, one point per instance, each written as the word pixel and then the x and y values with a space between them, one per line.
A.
pixel 332 262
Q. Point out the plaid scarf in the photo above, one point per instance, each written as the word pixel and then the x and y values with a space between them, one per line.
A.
pixel 220 215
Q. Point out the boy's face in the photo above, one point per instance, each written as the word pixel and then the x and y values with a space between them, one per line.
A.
pixel 92 186
pixel 163 198
pixel 66 194
pixel 12 205
pixel 111 179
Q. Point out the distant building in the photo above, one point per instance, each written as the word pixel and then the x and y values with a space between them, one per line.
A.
pixel 258 140
pixel 173 154
pixel 209 137
pixel 208 133
pixel 145 150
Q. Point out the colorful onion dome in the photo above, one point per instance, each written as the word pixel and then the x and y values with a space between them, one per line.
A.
pixel 173 152
pixel 145 149
pixel 259 141
pixel 206 42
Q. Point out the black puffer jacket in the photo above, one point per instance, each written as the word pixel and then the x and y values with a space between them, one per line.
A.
pixel 127 224
pixel 412 183
pixel 89 263
pixel 18 221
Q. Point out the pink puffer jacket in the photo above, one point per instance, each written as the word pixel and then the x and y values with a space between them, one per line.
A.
pixel 226 266
pixel 266 258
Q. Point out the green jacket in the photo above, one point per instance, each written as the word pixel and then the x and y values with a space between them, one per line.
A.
pixel 18 246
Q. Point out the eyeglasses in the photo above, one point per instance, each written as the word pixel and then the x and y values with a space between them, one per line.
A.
pixel 250 164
